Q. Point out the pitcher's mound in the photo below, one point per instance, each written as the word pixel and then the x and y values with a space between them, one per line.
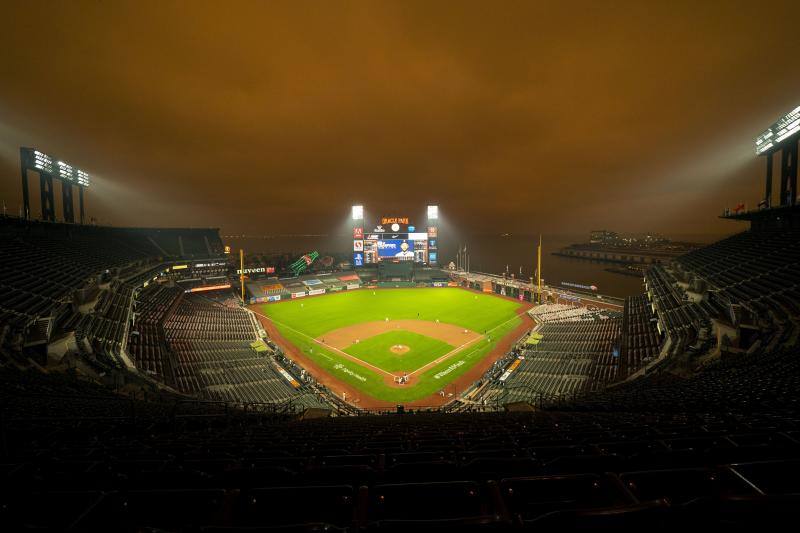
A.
pixel 399 349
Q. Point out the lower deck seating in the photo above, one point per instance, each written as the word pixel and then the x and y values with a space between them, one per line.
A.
pixel 567 356
pixel 203 348
pixel 171 470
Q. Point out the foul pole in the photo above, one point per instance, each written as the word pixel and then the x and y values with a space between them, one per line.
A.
pixel 539 268
pixel 241 271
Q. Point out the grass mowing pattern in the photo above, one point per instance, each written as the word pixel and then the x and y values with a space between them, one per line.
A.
pixel 377 350
pixel 302 320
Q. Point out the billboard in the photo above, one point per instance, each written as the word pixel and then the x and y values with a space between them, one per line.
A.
pixel 392 238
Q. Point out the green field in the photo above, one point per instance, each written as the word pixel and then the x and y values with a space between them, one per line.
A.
pixel 377 350
pixel 301 321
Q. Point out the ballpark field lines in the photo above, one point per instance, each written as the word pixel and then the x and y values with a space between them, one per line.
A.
pixel 368 339
pixel 336 350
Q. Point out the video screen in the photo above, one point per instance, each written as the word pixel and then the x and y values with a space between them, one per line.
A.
pixel 393 239
pixel 397 248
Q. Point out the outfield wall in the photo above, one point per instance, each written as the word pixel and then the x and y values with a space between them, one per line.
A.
pixel 293 291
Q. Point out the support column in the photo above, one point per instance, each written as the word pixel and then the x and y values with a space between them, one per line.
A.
pixel 789 174
pixel 768 184
pixel 26 202
pixel 48 200
pixel 792 164
pixel 66 200
pixel 80 197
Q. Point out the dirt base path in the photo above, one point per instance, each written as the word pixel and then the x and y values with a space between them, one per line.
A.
pixel 343 337
pixel 364 401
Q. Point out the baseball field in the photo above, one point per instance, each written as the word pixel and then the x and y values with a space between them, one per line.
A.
pixel 395 345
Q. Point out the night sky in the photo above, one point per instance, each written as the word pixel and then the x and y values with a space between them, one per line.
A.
pixel 519 117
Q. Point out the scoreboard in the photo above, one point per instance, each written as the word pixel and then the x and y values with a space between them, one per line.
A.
pixel 395 238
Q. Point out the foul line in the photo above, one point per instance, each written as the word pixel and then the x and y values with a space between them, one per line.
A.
pixel 358 361
pixel 337 350
pixel 457 350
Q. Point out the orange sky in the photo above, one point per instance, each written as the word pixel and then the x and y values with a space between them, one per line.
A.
pixel 267 117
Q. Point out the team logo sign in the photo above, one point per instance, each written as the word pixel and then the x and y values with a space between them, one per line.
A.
pixel 358 246
pixel 358 233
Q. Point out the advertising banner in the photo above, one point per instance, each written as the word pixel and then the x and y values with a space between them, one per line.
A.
pixel 352 286
pixel 579 286
pixel 358 233
pixel 210 288
pixel 314 292
pixel 312 282
pixel 288 377
pixel 358 246
pixel 358 259
pixel 255 270
pixel 509 370
pixel 274 298
pixel 298 294
pixel 272 288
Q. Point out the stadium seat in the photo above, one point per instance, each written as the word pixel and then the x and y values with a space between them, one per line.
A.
pixel 532 497
pixel 297 505
pixel 426 501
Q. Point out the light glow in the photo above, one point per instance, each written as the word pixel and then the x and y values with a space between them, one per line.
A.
pixel 46 165
pixel 83 178
pixel 358 212
pixel 782 129
pixel 433 212
pixel 65 171
pixel 42 161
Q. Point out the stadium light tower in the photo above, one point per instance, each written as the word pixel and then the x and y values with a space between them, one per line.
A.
pixel 358 212
pixel 50 168
pixel 781 136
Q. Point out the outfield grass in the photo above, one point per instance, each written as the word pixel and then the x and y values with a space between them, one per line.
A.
pixel 302 320
pixel 317 315
pixel 377 350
